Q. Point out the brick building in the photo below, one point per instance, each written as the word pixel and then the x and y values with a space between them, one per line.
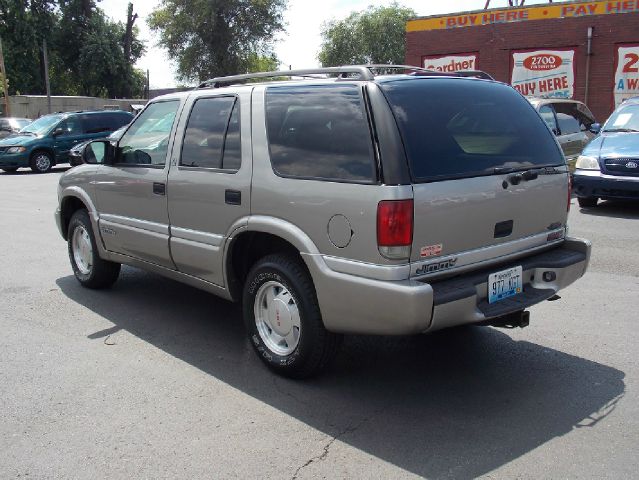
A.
pixel 588 51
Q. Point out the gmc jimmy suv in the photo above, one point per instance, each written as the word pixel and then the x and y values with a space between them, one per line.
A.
pixel 352 203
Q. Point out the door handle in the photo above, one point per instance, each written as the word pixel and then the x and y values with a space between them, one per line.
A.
pixel 159 188
pixel 232 197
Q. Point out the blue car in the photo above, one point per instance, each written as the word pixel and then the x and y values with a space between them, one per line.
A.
pixel 608 167
pixel 48 140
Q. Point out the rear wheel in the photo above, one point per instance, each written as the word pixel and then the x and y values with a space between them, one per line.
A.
pixel 90 270
pixel 9 169
pixel 587 202
pixel 41 161
pixel 283 319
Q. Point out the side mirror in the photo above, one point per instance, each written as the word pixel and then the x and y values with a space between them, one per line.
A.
pixel 595 128
pixel 58 131
pixel 99 152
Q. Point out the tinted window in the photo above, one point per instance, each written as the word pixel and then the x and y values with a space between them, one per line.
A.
pixel 567 118
pixel 548 114
pixel 455 128
pixel 147 140
pixel 117 120
pixel 95 123
pixel 319 132
pixel 70 126
pixel 204 142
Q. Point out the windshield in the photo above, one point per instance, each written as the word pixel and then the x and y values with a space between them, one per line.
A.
pixel 42 125
pixel 624 119
pixel 18 123
pixel 463 128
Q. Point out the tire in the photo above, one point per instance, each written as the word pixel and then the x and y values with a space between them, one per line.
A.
pixel 41 161
pixel 90 270
pixel 9 169
pixel 301 347
pixel 587 202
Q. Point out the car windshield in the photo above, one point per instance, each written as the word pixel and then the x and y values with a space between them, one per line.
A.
pixel 42 125
pixel 18 123
pixel 624 119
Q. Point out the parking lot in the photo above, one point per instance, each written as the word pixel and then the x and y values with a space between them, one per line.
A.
pixel 155 379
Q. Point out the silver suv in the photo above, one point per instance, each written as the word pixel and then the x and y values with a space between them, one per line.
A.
pixel 353 203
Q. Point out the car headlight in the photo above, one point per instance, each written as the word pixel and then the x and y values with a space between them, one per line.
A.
pixel 16 149
pixel 586 162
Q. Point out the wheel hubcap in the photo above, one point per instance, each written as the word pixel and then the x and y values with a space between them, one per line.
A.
pixel 42 162
pixel 277 318
pixel 82 250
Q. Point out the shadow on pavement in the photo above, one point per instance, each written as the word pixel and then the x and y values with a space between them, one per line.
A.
pixel 458 403
pixel 28 171
pixel 614 208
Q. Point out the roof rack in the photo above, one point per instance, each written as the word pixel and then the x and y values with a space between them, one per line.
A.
pixel 363 72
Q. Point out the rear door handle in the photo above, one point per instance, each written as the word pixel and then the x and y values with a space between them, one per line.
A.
pixel 233 197
pixel 159 188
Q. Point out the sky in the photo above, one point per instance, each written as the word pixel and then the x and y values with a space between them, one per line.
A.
pixel 298 46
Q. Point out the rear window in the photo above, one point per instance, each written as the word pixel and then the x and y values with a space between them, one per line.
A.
pixel 462 128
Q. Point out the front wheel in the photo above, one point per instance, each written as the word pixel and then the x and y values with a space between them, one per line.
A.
pixel 283 319
pixel 41 162
pixel 587 202
pixel 90 270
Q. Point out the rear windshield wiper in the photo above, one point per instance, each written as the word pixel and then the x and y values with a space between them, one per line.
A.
pixel 620 130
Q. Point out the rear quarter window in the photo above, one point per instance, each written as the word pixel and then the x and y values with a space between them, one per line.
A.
pixel 455 128
pixel 320 132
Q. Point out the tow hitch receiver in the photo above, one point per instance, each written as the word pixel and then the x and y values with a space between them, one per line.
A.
pixel 519 319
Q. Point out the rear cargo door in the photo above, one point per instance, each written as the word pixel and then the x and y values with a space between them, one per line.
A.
pixel 488 176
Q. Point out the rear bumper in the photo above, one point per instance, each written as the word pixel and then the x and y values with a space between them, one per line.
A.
pixel 596 184
pixel 352 304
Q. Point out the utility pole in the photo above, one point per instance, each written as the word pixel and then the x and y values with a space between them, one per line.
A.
pixel 5 89
pixel 45 55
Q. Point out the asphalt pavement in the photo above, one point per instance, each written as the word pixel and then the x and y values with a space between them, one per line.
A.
pixel 155 379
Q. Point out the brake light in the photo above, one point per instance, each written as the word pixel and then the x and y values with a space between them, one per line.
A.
pixel 569 191
pixel 395 228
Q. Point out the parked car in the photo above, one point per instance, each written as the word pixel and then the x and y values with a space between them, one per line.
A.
pixel 11 125
pixel 47 141
pixel 608 168
pixel 570 121
pixel 75 154
pixel 387 205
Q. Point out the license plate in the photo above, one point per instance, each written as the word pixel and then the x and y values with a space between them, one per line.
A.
pixel 504 284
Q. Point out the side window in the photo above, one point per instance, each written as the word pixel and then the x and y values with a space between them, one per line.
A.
pixel 319 131
pixel 212 136
pixel 147 140
pixel 117 120
pixel 568 124
pixel 4 124
pixel 70 126
pixel 548 114
pixel 94 123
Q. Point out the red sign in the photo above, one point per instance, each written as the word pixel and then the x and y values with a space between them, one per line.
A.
pixel 544 61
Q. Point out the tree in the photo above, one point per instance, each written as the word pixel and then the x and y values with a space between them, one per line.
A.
pixel 23 26
pixel 374 35
pixel 210 38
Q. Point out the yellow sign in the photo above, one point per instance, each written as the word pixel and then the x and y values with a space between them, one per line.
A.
pixel 512 15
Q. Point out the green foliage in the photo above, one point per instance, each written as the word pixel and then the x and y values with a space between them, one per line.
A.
pixel 210 38
pixel 85 49
pixel 374 35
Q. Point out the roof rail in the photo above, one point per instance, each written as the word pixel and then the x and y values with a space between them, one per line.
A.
pixel 364 72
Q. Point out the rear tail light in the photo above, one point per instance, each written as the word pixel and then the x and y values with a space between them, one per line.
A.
pixel 395 228
pixel 569 191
